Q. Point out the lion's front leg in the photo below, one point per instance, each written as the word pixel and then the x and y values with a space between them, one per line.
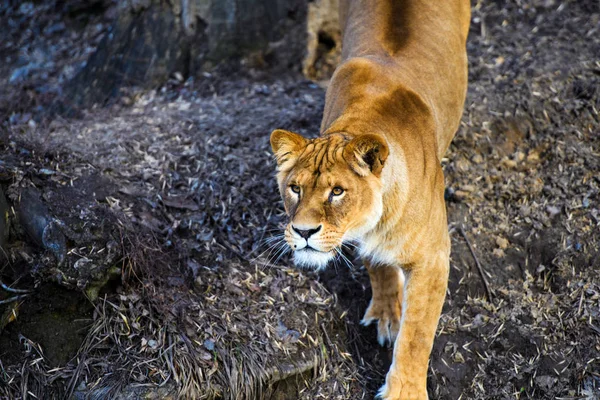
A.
pixel 424 297
pixel 387 285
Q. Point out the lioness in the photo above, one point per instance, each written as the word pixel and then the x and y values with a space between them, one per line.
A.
pixel 374 176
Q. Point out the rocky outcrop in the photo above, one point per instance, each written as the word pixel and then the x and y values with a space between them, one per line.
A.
pixel 151 40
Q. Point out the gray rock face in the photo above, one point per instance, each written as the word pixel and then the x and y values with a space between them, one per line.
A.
pixel 39 224
pixel 153 39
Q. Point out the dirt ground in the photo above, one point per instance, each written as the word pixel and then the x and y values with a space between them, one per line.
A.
pixel 201 306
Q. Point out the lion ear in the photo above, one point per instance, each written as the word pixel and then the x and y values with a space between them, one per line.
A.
pixel 285 144
pixel 367 153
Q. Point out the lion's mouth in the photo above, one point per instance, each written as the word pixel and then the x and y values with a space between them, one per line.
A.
pixel 312 258
pixel 309 248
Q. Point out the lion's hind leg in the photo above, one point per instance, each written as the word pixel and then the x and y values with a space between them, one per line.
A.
pixel 387 284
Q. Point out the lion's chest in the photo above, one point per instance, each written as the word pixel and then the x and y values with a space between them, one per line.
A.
pixel 386 248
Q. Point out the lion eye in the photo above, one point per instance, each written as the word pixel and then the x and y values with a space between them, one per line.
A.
pixel 295 189
pixel 337 191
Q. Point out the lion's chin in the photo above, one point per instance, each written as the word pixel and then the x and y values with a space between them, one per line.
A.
pixel 313 259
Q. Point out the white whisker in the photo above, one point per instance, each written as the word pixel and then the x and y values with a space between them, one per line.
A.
pixel 343 257
pixel 282 252
pixel 273 238
pixel 275 245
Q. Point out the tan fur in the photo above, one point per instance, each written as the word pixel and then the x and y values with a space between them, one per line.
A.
pixel 392 108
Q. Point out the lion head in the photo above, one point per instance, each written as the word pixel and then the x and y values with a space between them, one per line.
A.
pixel 331 189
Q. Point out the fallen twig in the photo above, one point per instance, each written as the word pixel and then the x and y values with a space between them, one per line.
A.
pixel 594 328
pixel 478 264
pixel 14 298
pixel 12 290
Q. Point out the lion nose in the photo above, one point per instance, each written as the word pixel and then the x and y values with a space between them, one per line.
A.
pixel 306 233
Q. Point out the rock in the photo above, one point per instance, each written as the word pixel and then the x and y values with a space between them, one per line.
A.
pixel 449 194
pixel 178 76
pixel 533 156
pixel 502 242
pixel 479 321
pixel 286 335
pixel 541 268
pixel 152 40
pixel 39 224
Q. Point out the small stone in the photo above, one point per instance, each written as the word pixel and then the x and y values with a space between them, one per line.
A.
pixel 508 163
pixel 184 106
pixel 541 268
pixel 533 157
pixel 449 194
pixel 479 320
pixel 477 159
pixel 502 242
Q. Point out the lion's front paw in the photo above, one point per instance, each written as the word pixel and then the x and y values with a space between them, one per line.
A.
pixel 387 311
pixel 394 390
pixel 385 393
